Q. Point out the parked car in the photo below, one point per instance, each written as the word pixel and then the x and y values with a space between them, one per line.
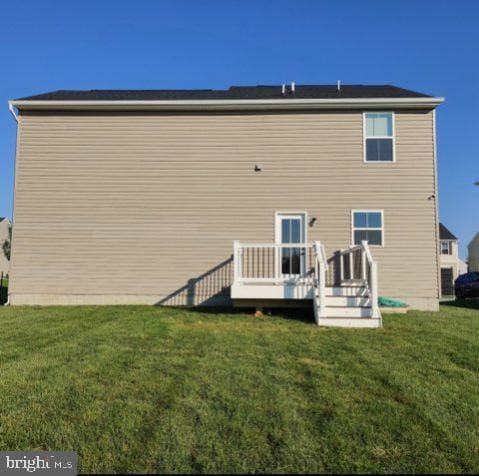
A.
pixel 467 285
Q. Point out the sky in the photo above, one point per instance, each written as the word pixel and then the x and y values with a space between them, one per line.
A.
pixel 431 46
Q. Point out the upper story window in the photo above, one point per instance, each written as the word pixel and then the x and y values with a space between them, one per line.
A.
pixel 446 248
pixel 379 137
pixel 368 226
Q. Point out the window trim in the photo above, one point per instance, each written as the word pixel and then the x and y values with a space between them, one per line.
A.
pixel 278 215
pixel 393 115
pixel 290 214
pixel 383 227
pixel 449 247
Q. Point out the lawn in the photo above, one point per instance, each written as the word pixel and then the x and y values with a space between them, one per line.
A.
pixel 145 389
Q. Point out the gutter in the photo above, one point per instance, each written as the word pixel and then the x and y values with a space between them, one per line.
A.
pixel 229 104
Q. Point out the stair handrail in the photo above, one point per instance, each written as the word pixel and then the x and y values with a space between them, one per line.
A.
pixel 372 282
pixel 320 268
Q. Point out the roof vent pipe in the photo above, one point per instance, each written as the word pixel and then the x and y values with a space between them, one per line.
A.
pixel 339 85
pixel 292 87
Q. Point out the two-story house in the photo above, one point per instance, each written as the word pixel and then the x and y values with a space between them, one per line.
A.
pixel 473 253
pixel 451 265
pixel 324 195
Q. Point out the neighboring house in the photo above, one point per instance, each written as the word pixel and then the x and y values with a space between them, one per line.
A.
pixel 4 236
pixel 451 265
pixel 473 254
pixel 212 196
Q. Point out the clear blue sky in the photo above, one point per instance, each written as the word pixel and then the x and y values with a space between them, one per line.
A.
pixel 430 45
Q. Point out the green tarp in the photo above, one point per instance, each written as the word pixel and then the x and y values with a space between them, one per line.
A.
pixel 388 302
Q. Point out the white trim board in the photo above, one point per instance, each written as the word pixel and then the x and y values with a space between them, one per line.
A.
pixel 231 104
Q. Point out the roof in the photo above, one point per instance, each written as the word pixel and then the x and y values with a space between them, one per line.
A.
pixel 445 234
pixel 353 91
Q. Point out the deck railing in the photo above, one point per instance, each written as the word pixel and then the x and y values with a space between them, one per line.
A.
pixel 320 269
pixel 355 265
pixel 273 262
pixel 305 263
pixel 371 275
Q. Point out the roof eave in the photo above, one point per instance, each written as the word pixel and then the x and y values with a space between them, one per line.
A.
pixel 232 104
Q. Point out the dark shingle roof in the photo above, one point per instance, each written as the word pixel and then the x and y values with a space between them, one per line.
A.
pixel 445 234
pixel 234 92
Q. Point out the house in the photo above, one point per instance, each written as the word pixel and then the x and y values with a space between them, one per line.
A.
pixel 4 236
pixel 261 195
pixel 473 254
pixel 451 265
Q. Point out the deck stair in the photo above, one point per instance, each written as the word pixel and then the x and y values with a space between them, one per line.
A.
pixel 353 302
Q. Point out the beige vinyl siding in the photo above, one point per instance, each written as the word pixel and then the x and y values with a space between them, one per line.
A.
pixel 139 204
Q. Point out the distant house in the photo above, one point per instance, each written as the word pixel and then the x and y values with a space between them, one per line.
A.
pixel 473 254
pixel 4 235
pixel 451 265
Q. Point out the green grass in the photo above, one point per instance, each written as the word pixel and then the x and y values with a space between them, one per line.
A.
pixel 144 389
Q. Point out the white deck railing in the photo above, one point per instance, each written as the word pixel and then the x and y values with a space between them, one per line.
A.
pixel 370 272
pixel 305 263
pixel 356 264
pixel 273 262
pixel 320 268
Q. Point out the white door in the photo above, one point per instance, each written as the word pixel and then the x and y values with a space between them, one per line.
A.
pixel 290 229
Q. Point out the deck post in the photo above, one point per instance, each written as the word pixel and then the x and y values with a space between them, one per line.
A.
pixel 351 265
pixel 363 264
pixel 278 251
pixel 374 289
pixel 341 267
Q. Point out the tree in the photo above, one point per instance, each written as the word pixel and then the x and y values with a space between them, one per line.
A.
pixel 7 244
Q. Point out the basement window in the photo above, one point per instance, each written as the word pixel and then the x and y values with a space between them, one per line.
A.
pixel 368 225
pixel 378 131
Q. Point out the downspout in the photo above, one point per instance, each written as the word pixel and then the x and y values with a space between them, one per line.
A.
pixel 15 115
pixel 436 205
pixel 12 110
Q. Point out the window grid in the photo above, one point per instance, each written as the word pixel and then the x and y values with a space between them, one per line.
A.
pixel 446 248
pixel 362 228
pixel 391 137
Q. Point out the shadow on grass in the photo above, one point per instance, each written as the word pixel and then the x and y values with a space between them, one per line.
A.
pixel 303 314
pixel 464 303
pixel 220 310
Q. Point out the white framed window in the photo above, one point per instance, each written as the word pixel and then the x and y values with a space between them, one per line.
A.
pixel 446 248
pixel 378 137
pixel 368 225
